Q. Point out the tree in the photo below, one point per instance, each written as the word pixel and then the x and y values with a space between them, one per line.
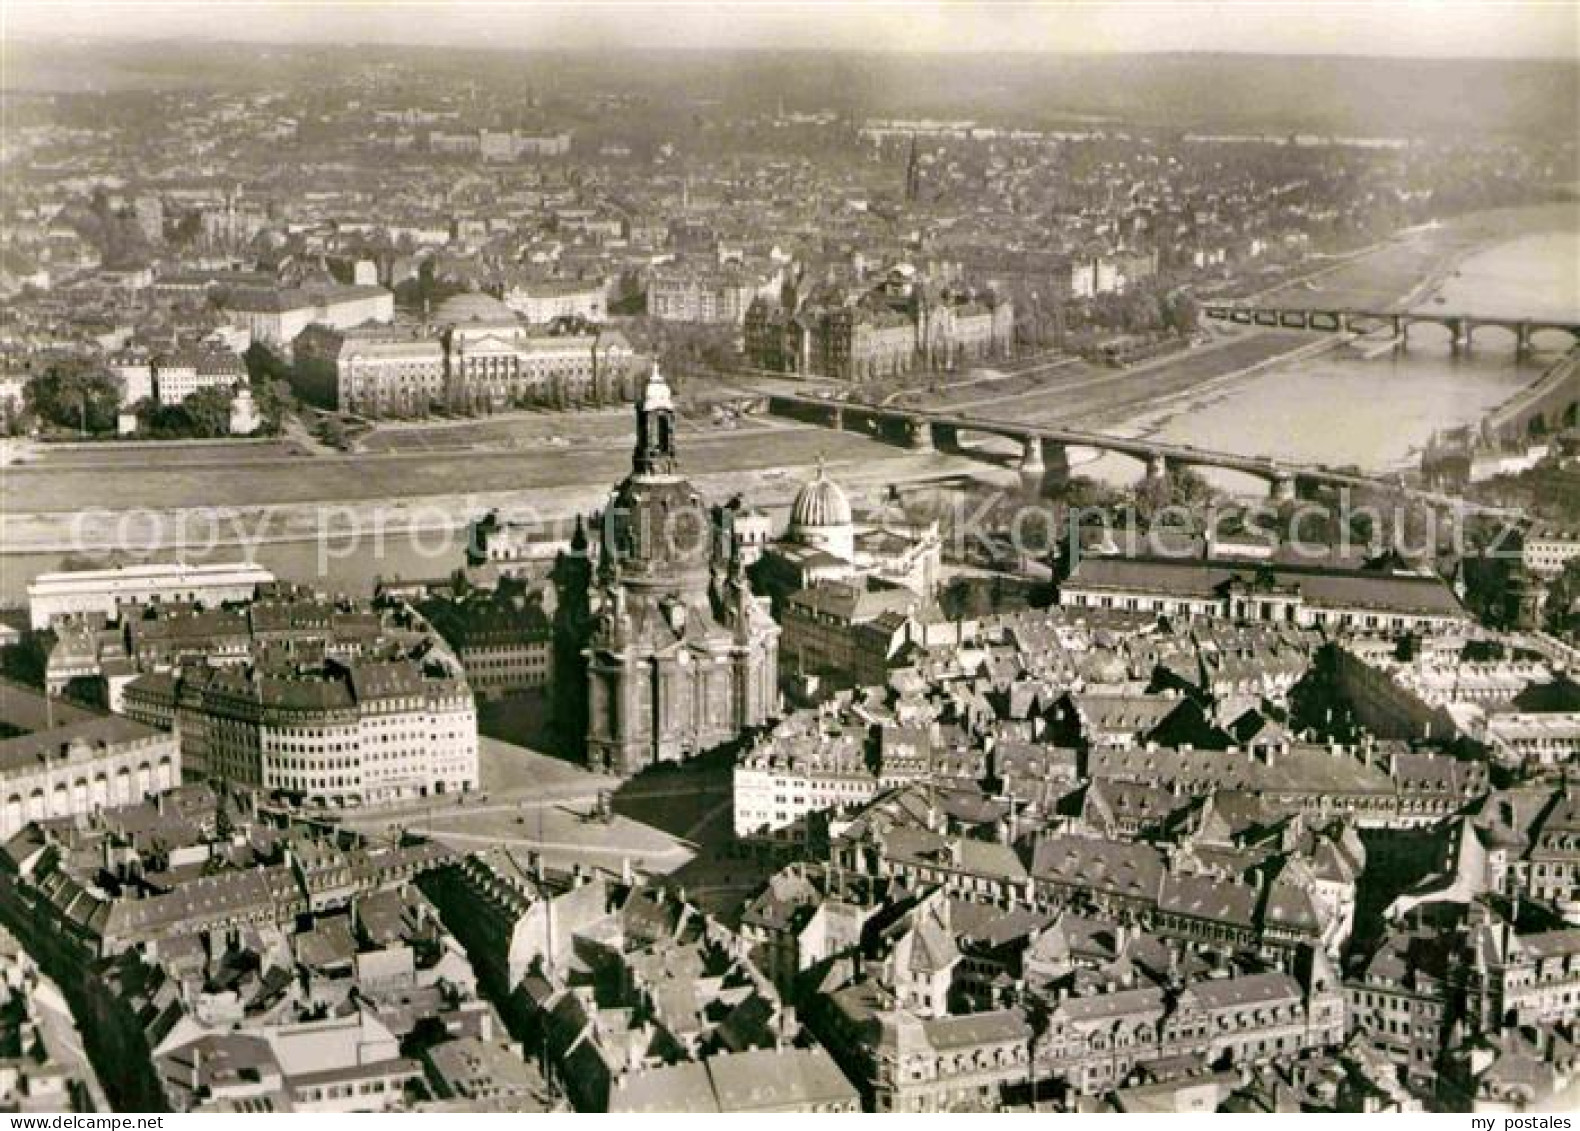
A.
pixel 188 229
pixel 1178 488
pixel 426 291
pixel 276 400
pixel 332 432
pixel 70 395
pixel 264 365
pixel 1562 595
pixel 115 234
pixel 208 411
pixel 15 418
pixel 1181 313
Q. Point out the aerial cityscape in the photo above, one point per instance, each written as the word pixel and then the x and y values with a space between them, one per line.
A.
pixel 790 558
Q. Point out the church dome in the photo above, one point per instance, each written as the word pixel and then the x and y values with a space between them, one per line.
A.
pixel 660 530
pixel 820 503
pixel 473 306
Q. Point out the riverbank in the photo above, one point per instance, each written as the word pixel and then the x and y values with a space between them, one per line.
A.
pixel 1378 409
pixel 1162 411
pixel 1088 397
pixel 1302 400
pixel 344 546
pixel 1408 269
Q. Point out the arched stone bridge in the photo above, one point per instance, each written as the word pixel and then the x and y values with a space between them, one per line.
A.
pixel 1043 456
pixel 1461 327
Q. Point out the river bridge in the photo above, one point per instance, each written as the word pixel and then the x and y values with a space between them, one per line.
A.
pixel 1044 450
pixel 1462 328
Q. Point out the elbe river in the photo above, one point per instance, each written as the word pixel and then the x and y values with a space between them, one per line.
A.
pixel 1337 408
pixel 1378 412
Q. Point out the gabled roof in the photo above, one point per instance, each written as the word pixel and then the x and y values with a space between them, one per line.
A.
pixel 1205 897
pixel 1247 990
pixel 1119 867
pixel 1146 1004
pixel 970 1030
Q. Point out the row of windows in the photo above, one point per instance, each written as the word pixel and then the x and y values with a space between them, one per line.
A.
pixel 340 1091
pixel 1393 1001
pixel 1265 610
pixel 297 782
pixel 77 797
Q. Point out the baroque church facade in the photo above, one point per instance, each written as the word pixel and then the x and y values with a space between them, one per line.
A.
pixel 662 651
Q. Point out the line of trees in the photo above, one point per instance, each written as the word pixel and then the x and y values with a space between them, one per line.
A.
pixel 70 394
pixel 1041 322
pixel 273 390
pixel 203 415
pixel 1140 311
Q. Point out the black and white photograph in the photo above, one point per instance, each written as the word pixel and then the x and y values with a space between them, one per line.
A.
pixel 644 557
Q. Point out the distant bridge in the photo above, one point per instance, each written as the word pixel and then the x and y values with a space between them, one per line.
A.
pixel 1461 327
pixel 1044 451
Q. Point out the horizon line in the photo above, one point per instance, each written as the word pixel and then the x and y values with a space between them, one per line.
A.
pixel 121 37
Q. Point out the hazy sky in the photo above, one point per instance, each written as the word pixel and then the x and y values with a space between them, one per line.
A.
pixel 1546 28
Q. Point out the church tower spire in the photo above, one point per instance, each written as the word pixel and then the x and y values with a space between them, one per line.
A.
pixel 655 428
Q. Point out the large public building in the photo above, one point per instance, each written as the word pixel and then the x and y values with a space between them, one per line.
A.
pixel 1376 596
pixel 340 735
pixel 825 541
pixel 106 592
pixel 282 690
pixel 473 354
pixel 81 767
pixel 861 333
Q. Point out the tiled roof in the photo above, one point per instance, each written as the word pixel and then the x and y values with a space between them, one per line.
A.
pixel 775 1079
pixel 1203 897
pixel 969 1030
pixel 1144 1003
pixel 27 752
pixel 1130 870
pixel 1247 990
pixel 1384 592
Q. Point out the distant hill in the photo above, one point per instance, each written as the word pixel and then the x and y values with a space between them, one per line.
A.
pixel 1326 94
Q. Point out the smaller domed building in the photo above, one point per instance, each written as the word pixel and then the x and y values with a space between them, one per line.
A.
pixel 821 518
pixel 824 542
